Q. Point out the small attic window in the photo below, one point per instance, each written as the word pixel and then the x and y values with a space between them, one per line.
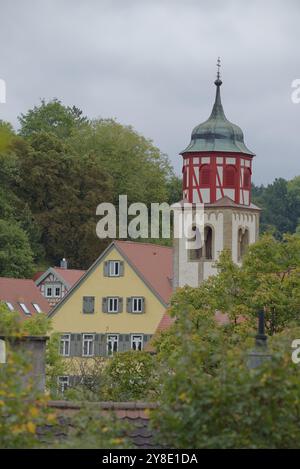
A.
pixel 9 305
pixel 37 307
pixel 24 308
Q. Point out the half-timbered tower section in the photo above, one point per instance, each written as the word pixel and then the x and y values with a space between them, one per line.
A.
pixel 217 171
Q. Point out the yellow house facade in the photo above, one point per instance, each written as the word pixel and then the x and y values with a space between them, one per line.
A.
pixel 118 303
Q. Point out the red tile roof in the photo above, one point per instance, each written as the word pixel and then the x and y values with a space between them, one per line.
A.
pixel 71 276
pixel 153 262
pixel 16 291
pixel 165 322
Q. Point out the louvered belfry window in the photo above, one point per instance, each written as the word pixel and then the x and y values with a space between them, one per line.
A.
pixel 247 178
pixel 229 177
pixel 205 175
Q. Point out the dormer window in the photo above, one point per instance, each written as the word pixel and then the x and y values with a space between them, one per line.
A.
pixel 24 308
pixel 53 291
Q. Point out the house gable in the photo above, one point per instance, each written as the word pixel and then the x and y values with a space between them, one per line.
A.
pixel 68 315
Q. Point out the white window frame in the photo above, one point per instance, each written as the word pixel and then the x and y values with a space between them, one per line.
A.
pixel 37 307
pixel 53 287
pixel 115 301
pixel 90 340
pixel 136 299
pixel 55 295
pixel 46 291
pixel 9 305
pixel 25 309
pixel 62 386
pixel 141 340
pixel 112 268
pixel 108 340
pixel 65 339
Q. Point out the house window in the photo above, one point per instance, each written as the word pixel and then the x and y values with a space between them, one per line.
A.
pixel 63 383
pixel 112 304
pixel 114 268
pixel 9 305
pixel 65 341
pixel 53 291
pixel 88 345
pixel 88 305
pixel 136 341
pixel 137 304
pixel 24 308
pixel 37 307
pixel 112 344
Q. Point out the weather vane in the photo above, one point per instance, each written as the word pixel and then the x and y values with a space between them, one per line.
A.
pixel 219 66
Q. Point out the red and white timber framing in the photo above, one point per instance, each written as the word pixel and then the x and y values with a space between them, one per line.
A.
pixel 210 176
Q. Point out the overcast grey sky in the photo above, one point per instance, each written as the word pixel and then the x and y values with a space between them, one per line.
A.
pixel 151 64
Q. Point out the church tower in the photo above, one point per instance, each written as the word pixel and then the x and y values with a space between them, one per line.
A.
pixel 217 169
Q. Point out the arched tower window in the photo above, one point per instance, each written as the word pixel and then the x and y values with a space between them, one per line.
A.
pixel 247 178
pixel 230 176
pixel 205 175
pixel 243 242
pixel 208 240
pixel 195 254
pixel 205 251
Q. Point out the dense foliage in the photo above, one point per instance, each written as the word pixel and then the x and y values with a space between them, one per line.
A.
pixel 280 204
pixel 55 172
pixel 209 398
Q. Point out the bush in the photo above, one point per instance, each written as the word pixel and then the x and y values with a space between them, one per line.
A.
pixel 130 376
pixel 234 408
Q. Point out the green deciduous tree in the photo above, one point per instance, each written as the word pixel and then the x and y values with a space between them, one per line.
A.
pixel 63 190
pixel 51 117
pixel 233 408
pixel 16 256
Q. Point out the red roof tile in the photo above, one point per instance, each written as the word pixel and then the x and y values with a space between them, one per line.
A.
pixel 165 323
pixel 16 291
pixel 71 276
pixel 153 262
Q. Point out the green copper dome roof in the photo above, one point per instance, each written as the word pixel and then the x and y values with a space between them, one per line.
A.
pixel 217 133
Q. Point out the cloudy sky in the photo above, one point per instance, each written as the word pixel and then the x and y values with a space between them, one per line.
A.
pixel 151 64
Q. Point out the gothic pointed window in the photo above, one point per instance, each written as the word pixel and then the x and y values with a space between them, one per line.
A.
pixel 230 177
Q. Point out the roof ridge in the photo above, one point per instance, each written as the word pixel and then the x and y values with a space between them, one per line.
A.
pixel 144 244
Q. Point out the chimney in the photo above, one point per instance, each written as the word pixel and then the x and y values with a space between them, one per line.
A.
pixel 64 264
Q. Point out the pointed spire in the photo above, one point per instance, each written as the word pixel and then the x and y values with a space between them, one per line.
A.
pixel 217 110
pixel 218 80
